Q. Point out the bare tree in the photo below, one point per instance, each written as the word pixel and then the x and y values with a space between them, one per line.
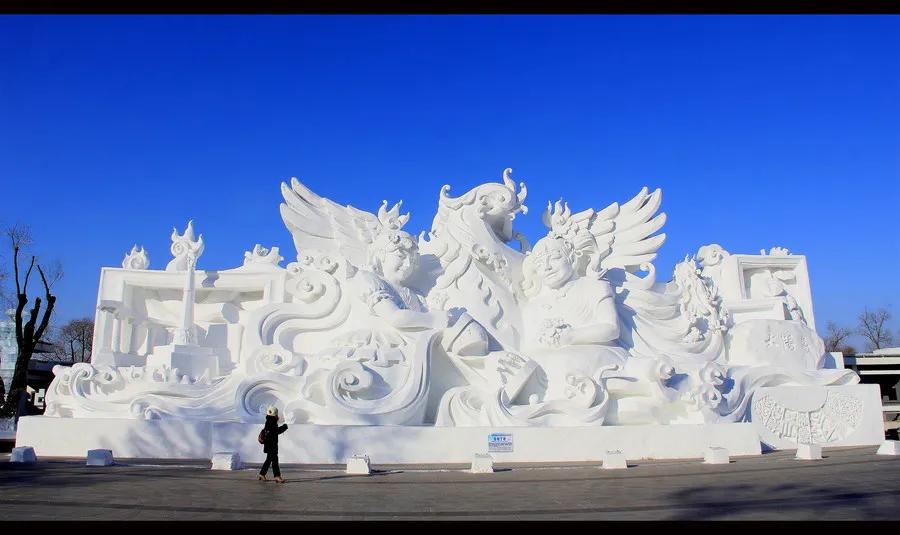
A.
pixel 57 352
pixel 75 340
pixel 872 327
pixel 834 340
pixel 19 235
pixel 30 331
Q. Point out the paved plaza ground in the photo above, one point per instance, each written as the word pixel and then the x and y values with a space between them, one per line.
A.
pixel 850 483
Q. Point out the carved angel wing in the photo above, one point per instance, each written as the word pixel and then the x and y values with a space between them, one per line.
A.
pixel 617 236
pixel 633 242
pixel 318 223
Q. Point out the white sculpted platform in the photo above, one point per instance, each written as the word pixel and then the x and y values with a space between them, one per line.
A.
pixel 330 444
pixel 466 327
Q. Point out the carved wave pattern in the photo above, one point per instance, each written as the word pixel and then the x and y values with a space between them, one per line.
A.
pixel 129 392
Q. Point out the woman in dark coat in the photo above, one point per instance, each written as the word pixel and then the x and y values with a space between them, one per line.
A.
pixel 270 445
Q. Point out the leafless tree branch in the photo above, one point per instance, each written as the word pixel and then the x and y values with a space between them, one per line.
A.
pixel 834 339
pixel 19 235
pixel 76 339
pixel 55 272
pixel 28 276
pixel 51 300
pixel 16 264
pixel 872 327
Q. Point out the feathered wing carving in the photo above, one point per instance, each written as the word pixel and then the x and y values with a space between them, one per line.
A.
pixel 633 242
pixel 318 223
pixel 615 237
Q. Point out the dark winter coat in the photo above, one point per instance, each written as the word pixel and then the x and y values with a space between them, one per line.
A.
pixel 272 431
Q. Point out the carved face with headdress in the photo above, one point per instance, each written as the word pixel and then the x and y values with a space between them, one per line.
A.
pixel 394 255
pixel 550 263
pixel 564 254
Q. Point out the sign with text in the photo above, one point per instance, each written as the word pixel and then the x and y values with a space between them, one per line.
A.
pixel 500 442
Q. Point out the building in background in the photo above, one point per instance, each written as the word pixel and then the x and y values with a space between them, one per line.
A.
pixel 881 367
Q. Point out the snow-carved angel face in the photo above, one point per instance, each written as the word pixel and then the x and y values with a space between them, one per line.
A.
pixel 551 263
pixel 395 256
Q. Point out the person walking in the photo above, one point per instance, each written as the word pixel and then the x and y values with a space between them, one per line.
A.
pixel 269 438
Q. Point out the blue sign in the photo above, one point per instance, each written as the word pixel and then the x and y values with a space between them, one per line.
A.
pixel 500 442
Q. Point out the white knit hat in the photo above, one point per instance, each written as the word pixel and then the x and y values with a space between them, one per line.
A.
pixel 272 410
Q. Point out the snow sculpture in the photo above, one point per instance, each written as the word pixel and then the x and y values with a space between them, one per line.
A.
pixel 373 326
pixel 261 258
pixel 136 259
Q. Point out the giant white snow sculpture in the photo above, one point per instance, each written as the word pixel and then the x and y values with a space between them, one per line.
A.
pixel 429 348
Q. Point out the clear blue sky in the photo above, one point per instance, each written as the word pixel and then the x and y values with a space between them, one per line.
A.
pixel 761 130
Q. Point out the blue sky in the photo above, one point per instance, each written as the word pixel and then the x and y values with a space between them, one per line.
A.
pixel 761 130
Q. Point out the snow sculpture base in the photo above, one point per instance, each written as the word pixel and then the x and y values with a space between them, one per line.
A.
pixel 226 460
pixel 716 455
pixel 809 452
pixel 358 465
pixel 99 458
pixel 482 464
pixel 889 447
pixel 23 455
pixel 788 416
pixel 614 460
pixel 315 444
